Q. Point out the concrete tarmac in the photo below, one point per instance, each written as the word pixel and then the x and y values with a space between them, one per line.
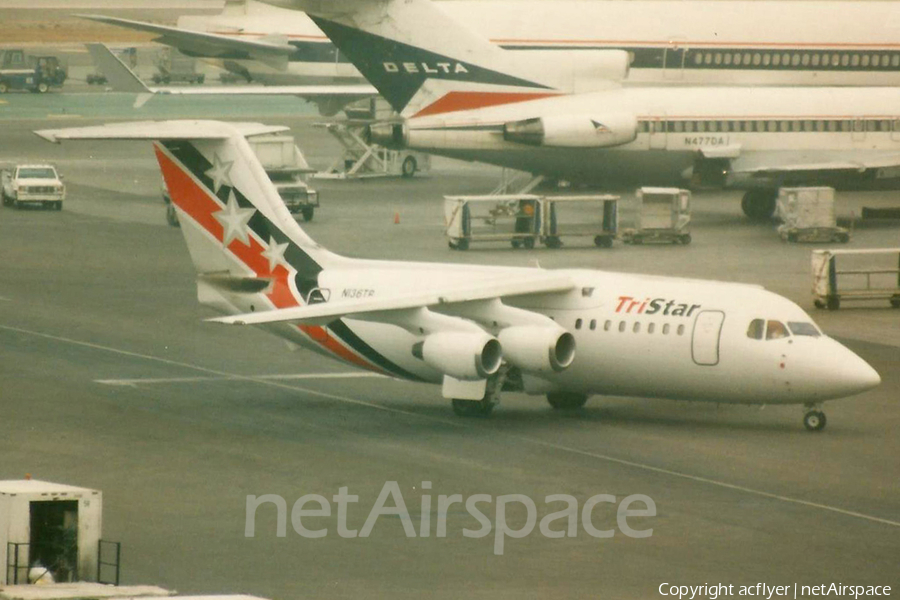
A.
pixel 109 379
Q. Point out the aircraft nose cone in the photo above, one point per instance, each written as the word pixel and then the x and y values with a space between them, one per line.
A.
pixel 847 374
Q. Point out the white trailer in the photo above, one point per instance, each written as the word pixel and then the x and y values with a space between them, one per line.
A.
pixel 49 530
pixel 807 215
pixel 658 215
pixel 869 274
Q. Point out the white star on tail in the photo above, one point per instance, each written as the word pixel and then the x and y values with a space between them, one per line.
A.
pixel 234 220
pixel 220 173
pixel 275 253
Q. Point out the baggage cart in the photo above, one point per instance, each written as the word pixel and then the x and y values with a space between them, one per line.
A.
pixel 870 274
pixel 594 216
pixel 523 220
pixel 503 218
pixel 659 215
pixel 807 215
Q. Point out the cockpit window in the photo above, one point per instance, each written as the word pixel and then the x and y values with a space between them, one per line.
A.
pixel 775 330
pixel 756 329
pixel 800 328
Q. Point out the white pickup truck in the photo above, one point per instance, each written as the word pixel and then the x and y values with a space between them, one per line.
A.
pixel 33 184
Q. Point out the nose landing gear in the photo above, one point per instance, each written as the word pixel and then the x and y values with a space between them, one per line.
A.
pixel 814 418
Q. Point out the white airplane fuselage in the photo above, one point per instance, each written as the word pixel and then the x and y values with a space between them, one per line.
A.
pixel 757 128
pixel 691 42
pixel 636 335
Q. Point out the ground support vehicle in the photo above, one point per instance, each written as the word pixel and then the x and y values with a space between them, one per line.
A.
pixel 362 159
pixel 523 220
pixel 32 184
pixel 19 71
pixel 807 215
pixel 659 215
pixel 286 167
pixel 173 66
pixel 869 274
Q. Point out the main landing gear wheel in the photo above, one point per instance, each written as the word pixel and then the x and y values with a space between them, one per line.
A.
pixel 814 420
pixel 759 205
pixel 566 400
pixel 472 408
pixel 409 167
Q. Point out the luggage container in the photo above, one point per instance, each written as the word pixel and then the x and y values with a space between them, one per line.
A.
pixel 49 532
pixel 659 215
pixel 870 274
pixel 807 215
pixel 523 220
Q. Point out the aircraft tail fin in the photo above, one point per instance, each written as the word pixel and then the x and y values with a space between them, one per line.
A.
pixel 120 77
pixel 422 60
pixel 249 252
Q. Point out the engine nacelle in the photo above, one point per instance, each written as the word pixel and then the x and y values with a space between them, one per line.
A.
pixel 462 355
pixel 538 349
pixel 388 135
pixel 574 71
pixel 573 131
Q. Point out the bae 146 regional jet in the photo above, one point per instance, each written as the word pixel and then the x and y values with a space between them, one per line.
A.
pixel 464 97
pixel 480 330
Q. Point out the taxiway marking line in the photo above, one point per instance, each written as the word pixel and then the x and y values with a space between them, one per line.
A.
pixel 287 377
pixel 532 441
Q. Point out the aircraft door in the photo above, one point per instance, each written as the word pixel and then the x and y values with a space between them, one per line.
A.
pixel 705 340
pixel 858 127
pixel 657 127
pixel 673 60
pixel 895 129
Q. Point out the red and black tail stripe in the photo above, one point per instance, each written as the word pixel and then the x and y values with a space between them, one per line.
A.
pixel 199 204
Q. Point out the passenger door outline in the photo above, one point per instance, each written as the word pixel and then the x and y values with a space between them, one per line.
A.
pixel 706 337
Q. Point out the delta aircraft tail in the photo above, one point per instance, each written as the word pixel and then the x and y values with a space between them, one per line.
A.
pixel 422 60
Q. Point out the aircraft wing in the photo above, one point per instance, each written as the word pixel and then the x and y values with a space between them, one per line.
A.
pixel 325 312
pixel 122 79
pixel 211 45
pixel 774 163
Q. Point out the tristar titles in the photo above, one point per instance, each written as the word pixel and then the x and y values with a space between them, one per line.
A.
pixel 649 306
pixel 424 67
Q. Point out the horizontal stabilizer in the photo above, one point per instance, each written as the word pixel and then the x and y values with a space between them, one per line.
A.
pixel 546 283
pixel 204 43
pixel 159 130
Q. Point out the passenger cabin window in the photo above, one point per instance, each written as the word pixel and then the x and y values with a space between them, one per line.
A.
pixel 651 327
pixel 666 329
pixel 756 329
pixel 681 330
pixel 607 325
pixel 578 323
pixel 801 328
pixel 775 330
pixel 622 326
pixel 593 324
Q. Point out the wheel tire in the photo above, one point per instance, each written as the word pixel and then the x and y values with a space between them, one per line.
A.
pixel 814 420
pixel 515 243
pixel 566 400
pixel 172 216
pixel 42 88
pixel 833 303
pixel 472 408
pixel 895 301
pixel 308 213
pixel 792 236
pixel 842 238
pixel 528 243
pixel 818 303
pixel 17 204
pixel 553 242
pixel 685 238
pixel 409 167
pixel 759 205
pixel 58 205
pixel 462 244
pixel 4 87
